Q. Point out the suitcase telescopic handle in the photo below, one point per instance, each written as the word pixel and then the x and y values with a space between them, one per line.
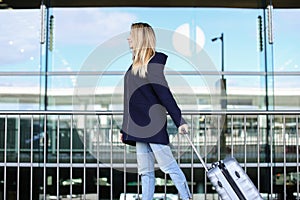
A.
pixel 197 153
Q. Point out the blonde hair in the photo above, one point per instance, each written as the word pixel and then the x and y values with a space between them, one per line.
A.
pixel 143 43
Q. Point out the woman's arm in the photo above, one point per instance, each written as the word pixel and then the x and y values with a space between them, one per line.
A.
pixel 160 86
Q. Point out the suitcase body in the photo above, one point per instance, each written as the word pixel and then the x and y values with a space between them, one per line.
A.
pixel 231 181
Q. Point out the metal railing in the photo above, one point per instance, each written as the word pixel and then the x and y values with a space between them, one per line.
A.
pixel 78 154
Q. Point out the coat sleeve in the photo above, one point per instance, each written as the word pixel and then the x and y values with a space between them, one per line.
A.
pixel 160 86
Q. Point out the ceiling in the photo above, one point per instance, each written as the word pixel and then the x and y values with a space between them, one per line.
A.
pixel 29 4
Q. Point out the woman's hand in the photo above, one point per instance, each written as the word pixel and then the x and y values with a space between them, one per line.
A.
pixel 183 129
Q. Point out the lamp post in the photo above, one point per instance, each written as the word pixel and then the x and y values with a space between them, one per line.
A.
pixel 222 51
pixel 223 99
pixel 223 80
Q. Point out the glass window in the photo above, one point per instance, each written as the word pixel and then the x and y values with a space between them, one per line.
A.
pixel 20 59
pixel 95 40
pixel 19 39
pixel 286 38
pixel 286 59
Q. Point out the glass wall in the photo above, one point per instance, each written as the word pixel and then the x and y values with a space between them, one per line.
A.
pixel 94 45
pixel 286 59
pixel 86 55
pixel 20 60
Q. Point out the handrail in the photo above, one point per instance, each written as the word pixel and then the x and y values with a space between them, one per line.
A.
pixel 120 112
pixel 114 73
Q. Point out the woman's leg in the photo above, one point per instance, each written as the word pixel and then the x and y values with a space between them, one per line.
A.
pixel 145 161
pixel 168 164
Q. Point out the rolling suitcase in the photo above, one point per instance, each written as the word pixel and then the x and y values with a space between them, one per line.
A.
pixel 229 179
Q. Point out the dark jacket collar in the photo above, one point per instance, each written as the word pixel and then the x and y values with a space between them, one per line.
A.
pixel 159 58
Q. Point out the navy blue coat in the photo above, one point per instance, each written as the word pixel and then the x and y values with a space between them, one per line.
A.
pixel 146 103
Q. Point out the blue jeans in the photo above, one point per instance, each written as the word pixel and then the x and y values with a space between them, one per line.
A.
pixel 146 155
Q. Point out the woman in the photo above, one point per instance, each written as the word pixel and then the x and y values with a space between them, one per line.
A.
pixel 147 98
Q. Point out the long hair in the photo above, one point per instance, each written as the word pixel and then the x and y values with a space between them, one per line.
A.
pixel 143 43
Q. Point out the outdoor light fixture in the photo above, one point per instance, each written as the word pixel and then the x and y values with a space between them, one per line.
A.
pixel 260 34
pixel 270 24
pixel 43 24
pixel 216 38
